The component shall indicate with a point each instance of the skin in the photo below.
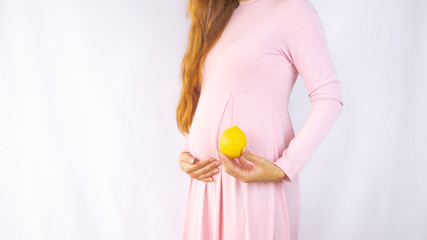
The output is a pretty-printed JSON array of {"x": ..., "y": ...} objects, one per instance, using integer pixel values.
[
  {"x": 262, "y": 171},
  {"x": 200, "y": 170}
]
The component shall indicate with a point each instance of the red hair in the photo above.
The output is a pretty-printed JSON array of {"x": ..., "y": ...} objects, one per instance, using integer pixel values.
[{"x": 208, "y": 20}]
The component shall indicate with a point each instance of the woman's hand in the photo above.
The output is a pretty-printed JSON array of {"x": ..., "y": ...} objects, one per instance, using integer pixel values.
[
  {"x": 200, "y": 170},
  {"x": 263, "y": 171}
]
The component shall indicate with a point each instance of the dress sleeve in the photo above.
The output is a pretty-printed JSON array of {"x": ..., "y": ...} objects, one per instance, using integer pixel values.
[
  {"x": 185, "y": 147},
  {"x": 308, "y": 51}
]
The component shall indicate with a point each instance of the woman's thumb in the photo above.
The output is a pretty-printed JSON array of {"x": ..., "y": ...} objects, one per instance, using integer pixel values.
[{"x": 251, "y": 157}]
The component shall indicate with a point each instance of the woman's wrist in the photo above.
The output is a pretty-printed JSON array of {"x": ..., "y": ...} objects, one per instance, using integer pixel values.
[{"x": 281, "y": 174}]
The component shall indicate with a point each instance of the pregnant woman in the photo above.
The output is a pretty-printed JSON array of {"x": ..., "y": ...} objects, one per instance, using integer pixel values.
[{"x": 242, "y": 61}]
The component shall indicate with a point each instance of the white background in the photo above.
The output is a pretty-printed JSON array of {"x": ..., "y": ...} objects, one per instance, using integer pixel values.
[{"x": 89, "y": 141}]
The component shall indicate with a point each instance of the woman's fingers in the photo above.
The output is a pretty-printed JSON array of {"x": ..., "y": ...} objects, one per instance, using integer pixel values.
[
  {"x": 243, "y": 162},
  {"x": 200, "y": 170},
  {"x": 209, "y": 176},
  {"x": 204, "y": 170},
  {"x": 208, "y": 179},
  {"x": 187, "y": 157},
  {"x": 197, "y": 165},
  {"x": 207, "y": 171}
]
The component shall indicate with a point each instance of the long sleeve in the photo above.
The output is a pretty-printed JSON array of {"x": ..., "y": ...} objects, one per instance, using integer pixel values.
[
  {"x": 308, "y": 51},
  {"x": 185, "y": 147}
]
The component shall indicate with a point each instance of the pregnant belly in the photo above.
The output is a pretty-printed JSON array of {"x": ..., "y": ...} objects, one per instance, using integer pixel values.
[
  {"x": 212, "y": 113},
  {"x": 255, "y": 114}
]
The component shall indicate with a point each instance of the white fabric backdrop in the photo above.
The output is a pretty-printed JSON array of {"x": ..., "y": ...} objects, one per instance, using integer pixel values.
[{"x": 89, "y": 142}]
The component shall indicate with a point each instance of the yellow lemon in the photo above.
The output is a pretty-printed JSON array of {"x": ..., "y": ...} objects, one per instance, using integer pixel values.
[{"x": 232, "y": 142}]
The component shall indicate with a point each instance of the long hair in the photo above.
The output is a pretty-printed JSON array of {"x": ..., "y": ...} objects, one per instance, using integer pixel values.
[{"x": 208, "y": 21}]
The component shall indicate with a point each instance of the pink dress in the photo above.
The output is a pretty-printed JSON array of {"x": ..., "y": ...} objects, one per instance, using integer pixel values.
[{"x": 246, "y": 82}]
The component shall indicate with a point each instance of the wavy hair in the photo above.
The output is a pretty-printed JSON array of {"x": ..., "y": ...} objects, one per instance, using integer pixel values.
[{"x": 208, "y": 21}]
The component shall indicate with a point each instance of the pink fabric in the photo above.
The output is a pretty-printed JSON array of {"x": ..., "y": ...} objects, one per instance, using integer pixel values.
[{"x": 246, "y": 81}]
